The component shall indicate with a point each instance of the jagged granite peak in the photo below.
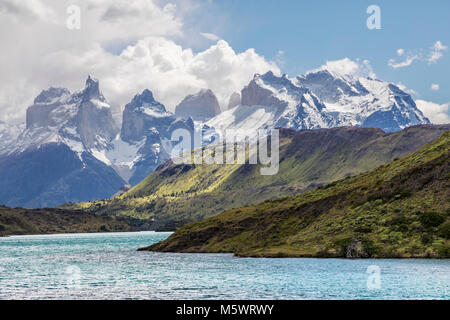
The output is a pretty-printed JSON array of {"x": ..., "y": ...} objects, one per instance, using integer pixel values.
[
  {"x": 146, "y": 100},
  {"x": 92, "y": 89},
  {"x": 95, "y": 123},
  {"x": 201, "y": 106},
  {"x": 80, "y": 120},
  {"x": 140, "y": 148},
  {"x": 142, "y": 115},
  {"x": 49, "y": 95},
  {"x": 235, "y": 100},
  {"x": 51, "y": 107},
  {"x": 56, "y": 158}
]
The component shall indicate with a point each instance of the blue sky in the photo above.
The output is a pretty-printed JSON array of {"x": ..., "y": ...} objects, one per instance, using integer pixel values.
[{"x": 312, "y": 32}]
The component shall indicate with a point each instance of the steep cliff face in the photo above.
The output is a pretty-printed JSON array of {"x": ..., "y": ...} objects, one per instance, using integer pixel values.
[
  {"x": 94, "y": 119},
  {"x": 81, "y": 120},
  {"x": 235, "y": 100},
  {"x": 141, "y": 115},
  {"x": 139, "y": 149},
  {"x": 50, "y": 108},
  {"x": 200, "y": 107}
]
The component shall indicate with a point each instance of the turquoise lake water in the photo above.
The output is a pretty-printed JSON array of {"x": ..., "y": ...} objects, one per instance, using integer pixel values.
[{"x": 107, "y": 266}]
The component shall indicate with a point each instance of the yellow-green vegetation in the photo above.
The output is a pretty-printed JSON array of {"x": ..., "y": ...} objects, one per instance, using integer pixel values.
[
  {"x": 175, "y": 195},
  {"x": 20, "y": 221},
  {"x": 397, "y": 210}
]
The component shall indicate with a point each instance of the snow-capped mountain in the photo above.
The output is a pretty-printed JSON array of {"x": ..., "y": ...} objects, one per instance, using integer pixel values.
[
  {"x": 81, "y": 120},
  {"x": 320, "y": 99},
  {"x": 201, "y": 106},
  {"x": 52, "y": 161},
  {"x": 8, "y": 134},
  {"x": 363, "y": 101},
  {"x": 138, "y": 150},
  {"x": 72, "y": 150},
  {"x": 269, "y": 101}
]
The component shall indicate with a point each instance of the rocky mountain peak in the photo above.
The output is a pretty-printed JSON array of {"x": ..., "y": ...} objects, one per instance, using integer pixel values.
[
  {"x": 272, "y": 91},
  {"x": 235, "y": 100},
  {"x": 146, "y": 100},
  {"x": 51, "y": 108},
  {"x": 49, "y": 95},
  {"x": 201, "y": 106},
  {"x": 330, "y": 86},
  {"x": 92, "y": 89},
  {"x": 94, "y": 119},
  {"x": 142, "y": 116}
]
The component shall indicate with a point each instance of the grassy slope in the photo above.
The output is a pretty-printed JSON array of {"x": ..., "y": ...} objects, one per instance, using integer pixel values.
[
  {"x": 397, "y": 210},
  {"x": 48, "y": 221},
  {"x": 176, "y": 195}
]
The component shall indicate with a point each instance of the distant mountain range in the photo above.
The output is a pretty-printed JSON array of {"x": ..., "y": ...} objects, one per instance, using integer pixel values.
[
  {"x": 397, "y": 210},
  {"x": 175, "y": 195},
  {"x": 320, "y": 99},
  {"x": 72, "y": 150}
]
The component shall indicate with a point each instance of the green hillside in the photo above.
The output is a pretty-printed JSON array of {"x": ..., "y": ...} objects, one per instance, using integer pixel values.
[
  {"x": 20, "y": 221},
  {"x": 175, "y": 195},
  {"x": 397, "y": 210}
]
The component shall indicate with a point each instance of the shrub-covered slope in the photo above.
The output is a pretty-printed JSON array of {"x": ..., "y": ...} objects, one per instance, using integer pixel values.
[
  {"x": 175, "y": 195},
  {"x": 397, "y": 210},
  {"x": 20, "y": 221}
]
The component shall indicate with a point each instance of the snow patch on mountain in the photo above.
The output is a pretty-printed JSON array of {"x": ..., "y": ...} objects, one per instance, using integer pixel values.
[
  {"x": 8, "y": 134},
  {"x": 269, "y": 102},
  {"x": 363, "y": 101}
]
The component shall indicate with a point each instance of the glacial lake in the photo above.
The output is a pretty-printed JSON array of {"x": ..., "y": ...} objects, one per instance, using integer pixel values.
[{"x": 107, "y": 266}]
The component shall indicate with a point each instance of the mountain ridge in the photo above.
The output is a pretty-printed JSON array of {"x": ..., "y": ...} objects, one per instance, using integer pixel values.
[
  {"x": 397, "y": 210},
  {"x": 83, "y": 122},
  {"x": 175, "y": 195},
  {"x": 19, "y": 221}
]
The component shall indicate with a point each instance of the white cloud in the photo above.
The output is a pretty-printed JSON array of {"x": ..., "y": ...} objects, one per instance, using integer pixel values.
[
  {"x": 27, "y": 11},
  {"x": 436, "y": 52},
  {"x": 129, "y": 46},
  {"x": 434, "y": 87},
  {"x": 347, "y": 66},
  {"x": 210, "y": 36},
  {"x": 158, "y": 64},
  {"x": 437, "y": 113},
  {"x": 405, "y": 63},
  {"x": 279, "y": 58}
]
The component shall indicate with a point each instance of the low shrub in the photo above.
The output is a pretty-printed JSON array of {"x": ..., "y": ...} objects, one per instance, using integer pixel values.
[
  {"x": 431, "y": 219},
  {"x": 444, "y": 230}
]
